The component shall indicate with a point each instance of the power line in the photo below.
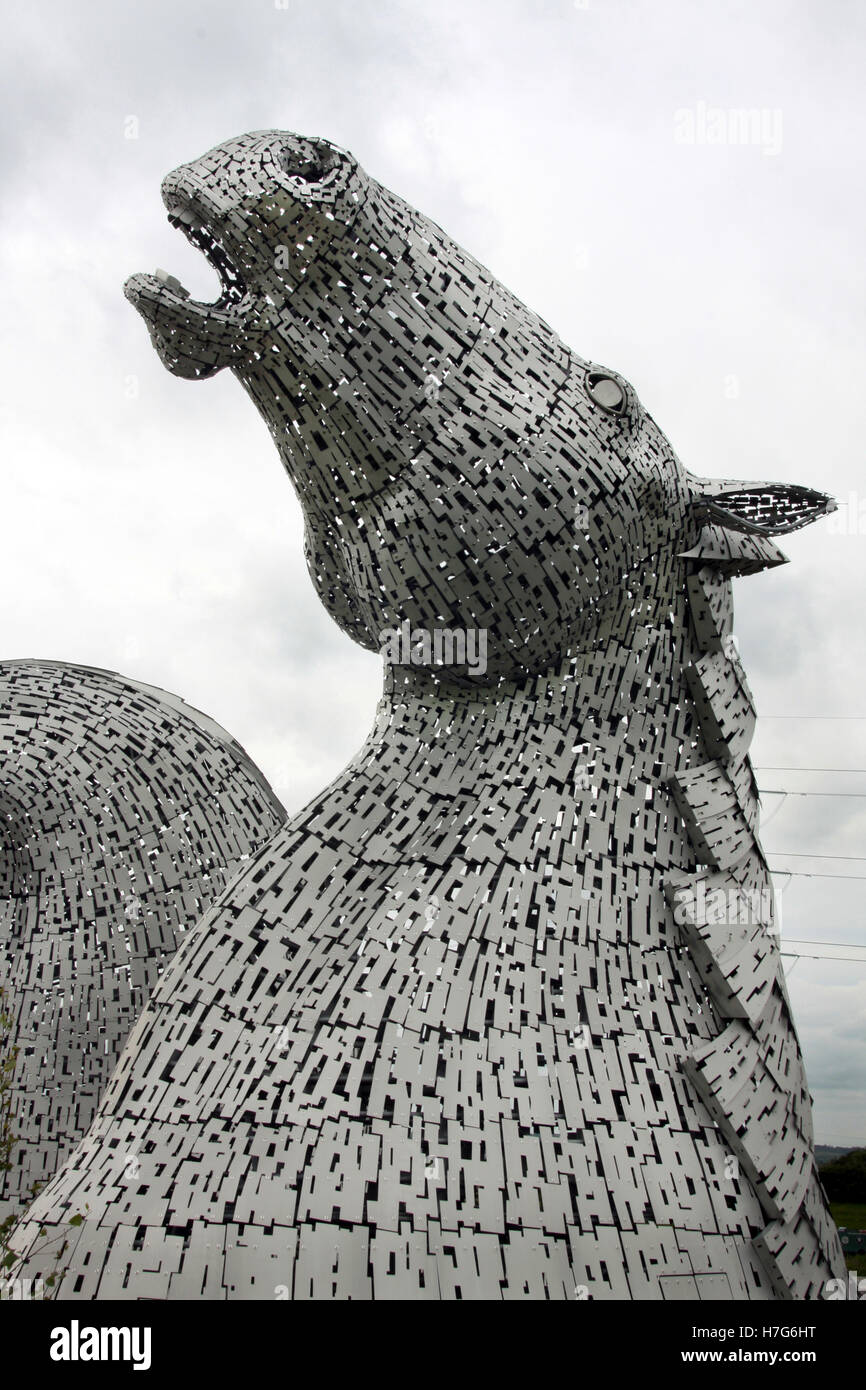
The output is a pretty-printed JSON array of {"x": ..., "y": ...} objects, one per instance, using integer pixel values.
[
  {"x": 798, "y": 955},
  {"x": 812, "y": 716},
  {"x": 821, "y": 955},
  {"x": 818, "y": 955},
  {"x": 801, "y": 873},
  {"x": 797, "y": 854},
  {"x": 766, "y": 767},
  {"x": 775, "y": 791},
  {"x": 804, "y": 941}
]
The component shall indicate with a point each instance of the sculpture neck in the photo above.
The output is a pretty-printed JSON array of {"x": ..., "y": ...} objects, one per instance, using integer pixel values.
[{"x": 624, "y": 696}]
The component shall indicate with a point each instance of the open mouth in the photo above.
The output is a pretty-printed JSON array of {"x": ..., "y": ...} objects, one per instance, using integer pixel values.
[
  {"x": 193, "y": 338},
  {"x": 182, "y": 214}
]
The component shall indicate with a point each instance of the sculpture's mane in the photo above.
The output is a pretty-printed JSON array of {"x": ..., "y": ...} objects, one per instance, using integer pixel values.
[{"x": 726, "y": 909}]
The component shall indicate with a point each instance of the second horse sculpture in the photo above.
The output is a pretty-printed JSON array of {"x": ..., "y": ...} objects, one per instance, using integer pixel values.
[{"x": 501, "y": 1013}]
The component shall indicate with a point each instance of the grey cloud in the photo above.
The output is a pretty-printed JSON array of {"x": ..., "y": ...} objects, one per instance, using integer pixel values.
[{"x": 155, "y": 533}]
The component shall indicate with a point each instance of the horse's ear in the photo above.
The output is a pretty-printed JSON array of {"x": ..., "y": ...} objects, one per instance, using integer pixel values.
[{"x": 764, "y": 509}]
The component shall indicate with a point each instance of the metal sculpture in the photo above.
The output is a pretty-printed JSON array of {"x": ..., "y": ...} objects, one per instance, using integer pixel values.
[
  {"x": 500, "y": 1014},
  {"x": 124, "y": 813}
]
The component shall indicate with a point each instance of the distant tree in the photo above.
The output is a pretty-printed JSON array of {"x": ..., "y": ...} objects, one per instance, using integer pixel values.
[{"x": 844, "y": 1178}]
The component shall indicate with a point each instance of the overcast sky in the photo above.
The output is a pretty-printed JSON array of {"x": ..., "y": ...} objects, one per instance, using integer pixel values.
[{"x": 149, "y": 526}]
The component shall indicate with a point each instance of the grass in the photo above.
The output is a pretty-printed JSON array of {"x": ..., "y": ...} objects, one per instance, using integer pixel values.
[{"x": 852, "y": 1215}]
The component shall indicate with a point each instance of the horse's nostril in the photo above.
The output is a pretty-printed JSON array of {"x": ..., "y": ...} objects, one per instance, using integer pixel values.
[{"x": 606, "y": 392}]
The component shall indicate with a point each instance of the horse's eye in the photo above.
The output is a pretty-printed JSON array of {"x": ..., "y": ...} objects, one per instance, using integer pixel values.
[
  {"x": 606, "y": 392},
  {"x": 302, "y": 167}
]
